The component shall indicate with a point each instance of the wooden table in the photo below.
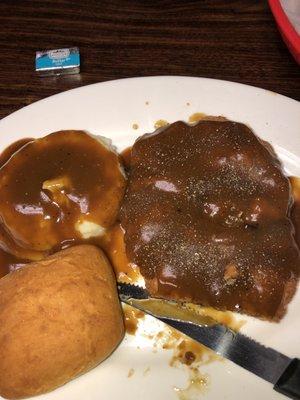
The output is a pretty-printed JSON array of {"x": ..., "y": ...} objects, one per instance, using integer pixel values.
[{"x": 233, "y": 40}]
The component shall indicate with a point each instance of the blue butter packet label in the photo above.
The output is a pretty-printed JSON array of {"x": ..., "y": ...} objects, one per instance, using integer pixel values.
[{"x": 56, "y": 59}]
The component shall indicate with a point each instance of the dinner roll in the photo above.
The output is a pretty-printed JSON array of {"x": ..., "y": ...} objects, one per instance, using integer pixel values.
[{"x": 59, "y": 318}]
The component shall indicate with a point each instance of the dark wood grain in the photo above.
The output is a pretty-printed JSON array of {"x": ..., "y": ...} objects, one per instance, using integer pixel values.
[{"x": 233, "y": 40}]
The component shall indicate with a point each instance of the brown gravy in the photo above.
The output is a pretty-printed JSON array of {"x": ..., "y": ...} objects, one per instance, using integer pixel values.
[
  {"x": 126, "y": 157},
  {"x": 131, "y": 318},
  {"x": 13, "y": 148},
  {"x": 113, "y": 241},
  {"x": 50, "y": 195},
  {"x": 9, "y": 263},
  {"x": 295, "y": 211},
  {"x": 114, "y": 246},
  {"x": 207, "y": 212}
]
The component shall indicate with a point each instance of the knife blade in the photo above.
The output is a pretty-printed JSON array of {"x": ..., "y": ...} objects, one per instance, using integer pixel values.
[{"x": 283, "y": 372}]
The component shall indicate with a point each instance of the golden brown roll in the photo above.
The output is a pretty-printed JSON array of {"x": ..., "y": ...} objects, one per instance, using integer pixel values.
[{"x": 59, "y": 318}]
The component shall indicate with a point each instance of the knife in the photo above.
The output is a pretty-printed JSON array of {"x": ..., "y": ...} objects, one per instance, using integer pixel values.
[{"x": 281, "y": 371}]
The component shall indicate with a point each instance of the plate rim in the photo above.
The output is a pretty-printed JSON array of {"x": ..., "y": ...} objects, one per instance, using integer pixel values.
[
  {"x": 243, "y": 86},
  {"x": 264, "y": 93}
]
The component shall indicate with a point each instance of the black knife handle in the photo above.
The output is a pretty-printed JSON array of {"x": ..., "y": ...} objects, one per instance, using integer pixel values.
[{"x": 289, "y": 382}]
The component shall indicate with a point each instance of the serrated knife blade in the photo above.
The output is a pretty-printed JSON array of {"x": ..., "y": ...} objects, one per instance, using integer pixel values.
[{"x": 283, "y": 372}]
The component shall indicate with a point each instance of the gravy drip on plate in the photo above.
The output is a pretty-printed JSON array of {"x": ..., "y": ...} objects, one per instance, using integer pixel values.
[
  {"x": 295, "y": 211},
  {"x": 126, "y": 157},
  {"x": 131, "y": 318},
  {"x": 207, "y": 218},
  {"x": 114, "y": 246}
]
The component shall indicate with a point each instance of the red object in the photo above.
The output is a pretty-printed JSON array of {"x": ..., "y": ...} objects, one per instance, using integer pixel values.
[{"x": 288, "y": 32}]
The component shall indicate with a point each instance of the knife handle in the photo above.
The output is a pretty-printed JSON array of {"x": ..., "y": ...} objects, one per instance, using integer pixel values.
[{"x": 289, "y": 382}]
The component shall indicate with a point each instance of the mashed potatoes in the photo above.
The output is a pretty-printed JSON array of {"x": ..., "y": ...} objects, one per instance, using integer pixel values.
[{"x": 64, "y": 187}]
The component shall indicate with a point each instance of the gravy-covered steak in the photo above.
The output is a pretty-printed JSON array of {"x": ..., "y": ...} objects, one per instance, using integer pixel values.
[{"x": 206, "y": 216}]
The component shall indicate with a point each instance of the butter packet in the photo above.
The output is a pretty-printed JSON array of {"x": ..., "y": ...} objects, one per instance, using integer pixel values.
[{"x": 57, "y": 62}]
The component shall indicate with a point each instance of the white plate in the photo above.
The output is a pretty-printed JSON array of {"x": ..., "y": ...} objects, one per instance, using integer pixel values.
[{"x": 110, "y": 109}]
